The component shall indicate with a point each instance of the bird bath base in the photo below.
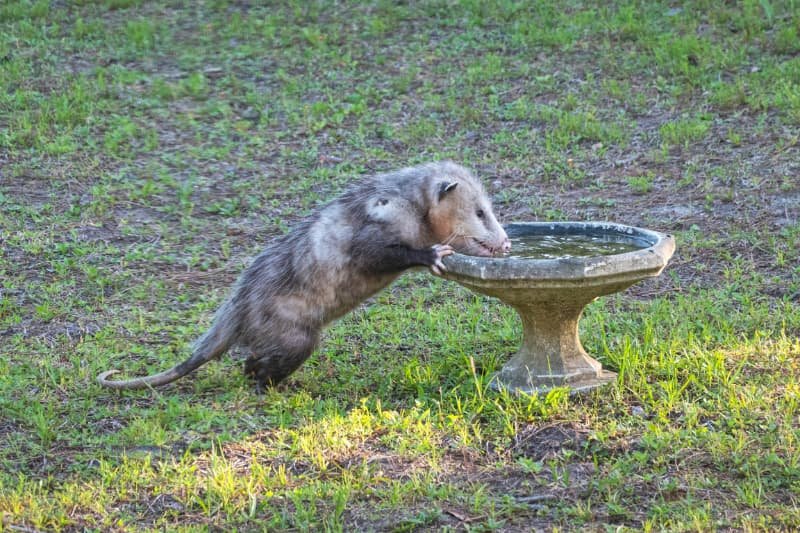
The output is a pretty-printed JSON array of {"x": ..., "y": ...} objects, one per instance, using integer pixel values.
[
  {"x": 550, "y": 294},
  {"x": 544, "y": 384},
  {"x": 551, "y": 354}
]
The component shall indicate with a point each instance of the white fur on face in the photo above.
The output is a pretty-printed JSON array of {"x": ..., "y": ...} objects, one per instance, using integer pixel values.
[{"x": 456, "y": 220}]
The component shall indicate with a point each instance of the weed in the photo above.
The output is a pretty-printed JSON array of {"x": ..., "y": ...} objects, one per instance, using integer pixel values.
[
  {"x": 682, "y": 132},
  {"x": 787, "y": 40},
  {"x": 141, "y": 34},
  {"x": 195, "y": 85},
  {"x": 641, "y": 184}
]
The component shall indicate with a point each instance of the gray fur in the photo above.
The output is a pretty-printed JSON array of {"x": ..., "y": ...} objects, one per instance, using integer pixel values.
[{"x": 334, "y": 260}]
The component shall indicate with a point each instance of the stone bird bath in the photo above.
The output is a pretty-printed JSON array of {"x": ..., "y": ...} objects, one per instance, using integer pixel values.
[{"x": 550, "y": 295}]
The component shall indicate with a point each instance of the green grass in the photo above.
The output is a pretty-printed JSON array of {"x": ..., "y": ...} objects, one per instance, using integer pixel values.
[{"x": 147, "y": 151}]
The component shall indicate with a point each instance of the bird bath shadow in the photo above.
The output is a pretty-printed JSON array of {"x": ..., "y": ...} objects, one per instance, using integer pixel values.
[{"x": 550, "y": 284}]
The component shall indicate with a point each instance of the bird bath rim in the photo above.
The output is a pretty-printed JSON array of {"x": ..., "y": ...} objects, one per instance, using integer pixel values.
[{"x": 647, "y": 261}]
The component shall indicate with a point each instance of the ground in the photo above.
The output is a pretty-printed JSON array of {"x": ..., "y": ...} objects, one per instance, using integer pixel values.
[{"x": 148, "y": 150}]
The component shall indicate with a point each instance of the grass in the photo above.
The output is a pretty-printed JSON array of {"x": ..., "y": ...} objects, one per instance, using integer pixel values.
[{"x": 148, "y": 150}]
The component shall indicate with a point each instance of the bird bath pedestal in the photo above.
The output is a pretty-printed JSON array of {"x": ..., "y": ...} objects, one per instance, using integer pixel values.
[{"x": 550, "y": 295}]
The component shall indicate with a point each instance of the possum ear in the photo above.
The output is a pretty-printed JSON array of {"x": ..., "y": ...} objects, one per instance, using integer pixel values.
[{"x": 445, "y": 188}]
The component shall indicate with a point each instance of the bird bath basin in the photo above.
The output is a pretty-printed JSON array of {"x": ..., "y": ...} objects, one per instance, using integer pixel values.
[{"x": 553, "y": 271}]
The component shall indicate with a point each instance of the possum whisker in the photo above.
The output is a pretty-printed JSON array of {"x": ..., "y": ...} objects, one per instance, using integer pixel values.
[{"x": 453, "y": 236}]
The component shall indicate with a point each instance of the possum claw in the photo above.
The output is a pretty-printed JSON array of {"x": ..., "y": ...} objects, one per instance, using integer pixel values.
[{"x": 440, "y": 252}]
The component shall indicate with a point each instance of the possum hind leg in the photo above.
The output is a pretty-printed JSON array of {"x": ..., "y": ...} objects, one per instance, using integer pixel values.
[{"x": 278, "y": 357}]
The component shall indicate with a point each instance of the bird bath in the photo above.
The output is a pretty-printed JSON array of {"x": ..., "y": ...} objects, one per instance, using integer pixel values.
[{"x": 549, "y": 288}]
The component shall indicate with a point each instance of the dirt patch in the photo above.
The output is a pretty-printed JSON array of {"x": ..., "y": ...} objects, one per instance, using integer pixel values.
[
  {"x": 546, "y": 442},
  {"x": 8, "y": 427}
]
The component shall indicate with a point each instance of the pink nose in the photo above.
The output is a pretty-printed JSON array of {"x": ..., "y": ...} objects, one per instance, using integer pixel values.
[{"x": 506, "y": 247}]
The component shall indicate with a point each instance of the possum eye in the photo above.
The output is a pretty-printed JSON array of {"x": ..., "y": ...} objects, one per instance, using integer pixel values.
[{"x": 481, "y": 214}]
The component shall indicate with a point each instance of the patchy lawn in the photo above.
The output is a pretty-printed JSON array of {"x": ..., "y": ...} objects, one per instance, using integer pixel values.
[{"x": 148, "y": 149}]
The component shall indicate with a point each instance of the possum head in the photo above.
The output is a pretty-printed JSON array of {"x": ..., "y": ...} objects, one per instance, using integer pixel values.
[{"x": 461, "y": 215}]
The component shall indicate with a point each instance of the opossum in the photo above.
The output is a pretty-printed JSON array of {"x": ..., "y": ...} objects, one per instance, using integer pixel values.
[{"x": 334, "y": 260}]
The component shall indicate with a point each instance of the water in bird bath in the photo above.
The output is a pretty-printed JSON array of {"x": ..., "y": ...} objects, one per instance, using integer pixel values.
[{"x": 567, "y": 245}]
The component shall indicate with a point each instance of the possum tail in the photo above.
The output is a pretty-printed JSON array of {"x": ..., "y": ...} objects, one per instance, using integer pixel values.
[{"x": 212, "y": 344}]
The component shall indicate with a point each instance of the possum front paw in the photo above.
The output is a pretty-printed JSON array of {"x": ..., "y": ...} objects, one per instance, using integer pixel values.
[{"x": 440, "y": 251}]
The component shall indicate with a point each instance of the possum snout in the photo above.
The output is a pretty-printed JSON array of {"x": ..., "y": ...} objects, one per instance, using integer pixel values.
[
  {"x": 495, "y": 245},
  {"x": 497, "y": 241},
  {"x": 501, "y": 245},
  {"x": 506, "y": 246}
]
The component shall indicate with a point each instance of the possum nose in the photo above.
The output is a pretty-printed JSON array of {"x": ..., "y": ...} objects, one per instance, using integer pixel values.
[{"x": 506, "y": 246}]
